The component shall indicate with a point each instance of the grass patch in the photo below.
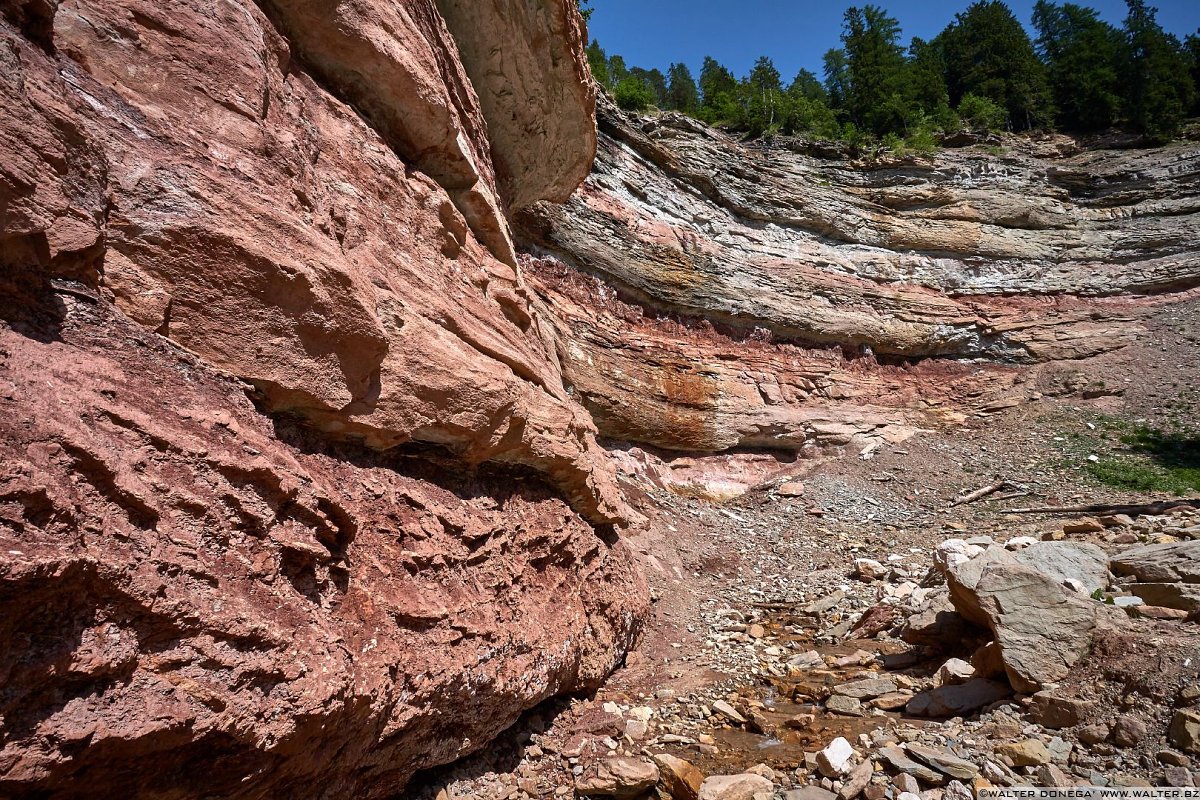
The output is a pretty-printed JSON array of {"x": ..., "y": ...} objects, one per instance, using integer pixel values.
[{"x": 1151, "y": 460}]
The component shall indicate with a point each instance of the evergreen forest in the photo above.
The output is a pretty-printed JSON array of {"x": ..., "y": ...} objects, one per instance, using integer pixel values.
[{"x": 984, "y": 72}]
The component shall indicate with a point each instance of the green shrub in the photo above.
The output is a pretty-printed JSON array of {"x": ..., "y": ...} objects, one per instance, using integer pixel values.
[
  {"x": 632, "y": 94},
  {"x": 981, "y": 114}
]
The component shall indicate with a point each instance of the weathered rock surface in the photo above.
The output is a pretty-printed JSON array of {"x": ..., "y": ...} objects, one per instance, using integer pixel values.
[
  {"x": 618, "y": 778},
  {"x": 201, "y": 600},
  {"x": 198, "y": 600},
  {"x": 535, "y": 91},
  {"x": 1060, "y": 562},
  {"x": 245, "y": 209},
  {"x": 765, "y": 294},
  {"x": 1041, "y": 626},
  {"x": 735, "y": 787},
  {"x": 963, "y": 698},
  {"x": 1178, "y": 562},
  {"x": 910, "y": 258}
]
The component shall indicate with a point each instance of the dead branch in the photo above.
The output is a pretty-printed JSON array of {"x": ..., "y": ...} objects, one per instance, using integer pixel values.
[
  {"x": 1144, "y": 509},
  {"x": 979, "y": 494}
]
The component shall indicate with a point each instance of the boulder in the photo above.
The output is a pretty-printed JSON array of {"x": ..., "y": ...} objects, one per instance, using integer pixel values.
[
  {"x": 954, "y": 671},
  {"x": 1179, "y": 596},
  {"x": 937, "y": 624},
  {"x": 1129, "y": 731},
  {"x": 1177, "y": 562},
  {"x": 834, "y": 761},
  {"x": 1026, "y": 753},
  {"x": 1085, "y": 564},
  {"x": 617, "y": 778},
  {"x": 1054, "y": 711},
  {"x": 866, "y": 689},
  {"x": 810, "y": 792},
  {"x": 988, "y": 661},
  {"x": 1041, "y": 627},
  {"x": 746, "y": 786},
  {"x": 857, "y": 780},
  {"x": 901, "y": 762},
  {"x": 869, "y": 569},
  {"x": 679, "y": 778},
  {"x": 729, "y": 712},
  {"x": 951, "y": 701},
  {"x": 944, "y": 762},
  {"x": 846, "y": 706},
  {"x": 1184, "y": 732}
]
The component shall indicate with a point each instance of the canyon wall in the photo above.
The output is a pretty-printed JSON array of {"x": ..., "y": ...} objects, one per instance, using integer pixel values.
[
  {"x": 293, "y": 499},
  {"x": 756, "y": 295}
]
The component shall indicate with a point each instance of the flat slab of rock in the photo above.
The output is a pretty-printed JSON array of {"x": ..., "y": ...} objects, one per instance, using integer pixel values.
[
  {"x": 901, "y": 762},
  {"x": 1178, "y": 562},
  {"x": 944, "y": 762},
  {"x": 857, "y": 780},
  {"x": 952, "y": 701},
  {"x": 1184, "y": 596},
  {"x": 735, "y": 787},
  {"x": 866, "y": 689},
  {"x": 617, "y": 778},
  {"x": 846, "y": 706},
  {"x": 729, "y": 712},
  {"x": 810, "y": 792}
]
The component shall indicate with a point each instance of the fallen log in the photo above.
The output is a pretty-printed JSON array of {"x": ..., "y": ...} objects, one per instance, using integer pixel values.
[
  {"x": 1146, "y": 509},
  {"x": 983, "y": 492}
]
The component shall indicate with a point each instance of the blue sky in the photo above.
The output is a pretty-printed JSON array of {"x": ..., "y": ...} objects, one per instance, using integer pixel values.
[{"x": 654, "y": 33}]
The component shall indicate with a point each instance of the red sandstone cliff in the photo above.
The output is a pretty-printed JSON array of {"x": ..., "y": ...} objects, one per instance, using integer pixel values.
[{"x": 304, "y": 204}]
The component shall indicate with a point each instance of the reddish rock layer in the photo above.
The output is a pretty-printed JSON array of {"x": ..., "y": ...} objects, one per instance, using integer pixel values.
[
  {"x": 184, "y": 158},
  {"x": 196, "y": 602}
]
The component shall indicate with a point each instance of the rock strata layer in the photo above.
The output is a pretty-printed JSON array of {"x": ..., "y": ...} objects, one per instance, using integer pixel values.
[
  {"x": 408, "y": 538},
  {"x": 748, "y": 294},
  {"x": 316, "y": 214},
  {"x": 198, "y": 601}
]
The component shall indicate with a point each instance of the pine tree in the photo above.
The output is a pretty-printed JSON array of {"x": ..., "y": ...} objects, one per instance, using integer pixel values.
[
  {"x": 988, "y": 54},
  {"x": 617, "y": 71},
  {"x": 807, "y": 108},
  {"x": 655, "y": 81},
  {"x": 925, "y": 83},
  {"x": 1083, "y": 59},
  {"x": 682, "y": 94},
  {"x": 633, "y": 94},
  {"x": 718, "y": 89},
  {"x": 837, "y": 78},
  {"x": 808, "y": 86},
  {"x": 762, "y": 98},
  {"x": 1192, "y": 45},
  {"x": 875, "y": 68},
  {"x": 598, "y": 61},
  {"x": 1158, "y": 86}
]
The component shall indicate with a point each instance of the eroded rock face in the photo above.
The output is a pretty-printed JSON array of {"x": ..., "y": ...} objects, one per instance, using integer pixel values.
[
  {"x": 199, "y": 602},
  {"x": 915, "y": 258},
  {"x": 237, "y": 206},
  {"x": 536, "y": 92},
  {"x": 721, "y": 295},
  {"x": 406, "y": 540}
]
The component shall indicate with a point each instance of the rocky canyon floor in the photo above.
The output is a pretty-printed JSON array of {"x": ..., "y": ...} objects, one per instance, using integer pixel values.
[{"x": 750, "y": 666}]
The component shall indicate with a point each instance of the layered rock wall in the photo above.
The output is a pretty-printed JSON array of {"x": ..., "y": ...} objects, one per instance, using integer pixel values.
[
  {"x": 884, "y": 289},
  {"x": 407, "y": 539}
]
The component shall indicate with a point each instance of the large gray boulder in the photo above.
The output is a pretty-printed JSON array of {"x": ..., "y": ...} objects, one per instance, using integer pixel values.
[
  {"x": 1178, "y": 562},
  {"x": 1036, "y": 603},
  {"x": 1082, "y": 566}
]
